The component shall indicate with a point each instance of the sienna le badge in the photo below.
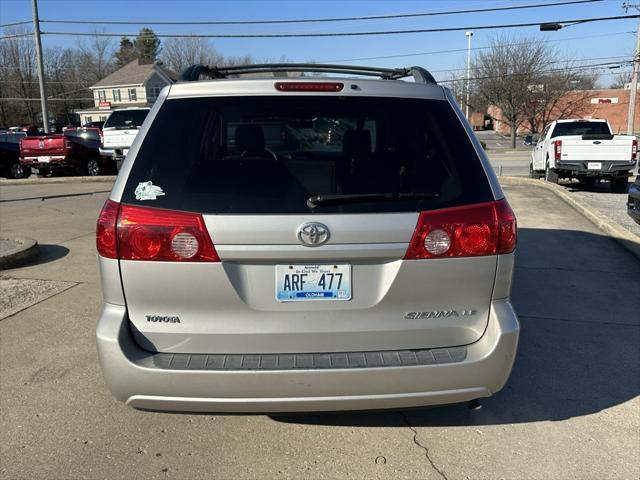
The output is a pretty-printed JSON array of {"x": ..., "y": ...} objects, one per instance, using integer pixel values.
[{"x": 148, "y": 191}]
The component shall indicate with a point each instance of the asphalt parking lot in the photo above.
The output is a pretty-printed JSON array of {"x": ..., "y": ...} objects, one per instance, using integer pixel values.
[{"x": 570, "y": 410}]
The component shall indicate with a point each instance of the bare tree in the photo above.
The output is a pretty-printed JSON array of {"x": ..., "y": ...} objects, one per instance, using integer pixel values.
[
  {"x": 17, "y": 57},
  {"x": 95, "y": 57},
  {"x": 508, "y": 75},
  {"x": 560, "y": 94},
  {"x": 622, "y": 79},
  {"x": 179, "y": 53}
]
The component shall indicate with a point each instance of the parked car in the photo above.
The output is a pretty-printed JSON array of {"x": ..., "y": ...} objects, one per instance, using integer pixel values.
[
  {"x": 633, "y": 203},
  {"x": 10, "y": 166},
  {"x": 361, "y": 267},
  {"x": 587, "y": 150},
  {"x": 75, "y": 151},
  {"x": 119, "y": 132},
  {"x": 528, "y": 140},
  {"x": 99, "y": 125}
]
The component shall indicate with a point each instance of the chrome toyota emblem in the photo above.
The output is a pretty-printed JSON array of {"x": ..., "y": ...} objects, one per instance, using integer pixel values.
[
  {"x": 313, "y": 234},
  {"x": 41, "y": 144}
]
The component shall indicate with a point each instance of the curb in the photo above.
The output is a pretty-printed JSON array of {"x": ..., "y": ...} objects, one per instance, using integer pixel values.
[
  {"x": 624, "y": 237},
  {"x": 20, "y": 254},
  {"x": 41, "y": 181}
]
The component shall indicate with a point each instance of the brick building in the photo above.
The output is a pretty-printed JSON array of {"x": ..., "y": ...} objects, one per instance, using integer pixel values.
[{"x": 609, "y": 104}]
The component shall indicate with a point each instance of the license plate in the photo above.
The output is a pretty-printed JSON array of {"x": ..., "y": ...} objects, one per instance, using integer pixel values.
[
  {"x": 44, "y": 159},
  {"x": 594, "y": 165},
  {"x": 300, "y": 283},
  {"x": 125, "y": 151}
]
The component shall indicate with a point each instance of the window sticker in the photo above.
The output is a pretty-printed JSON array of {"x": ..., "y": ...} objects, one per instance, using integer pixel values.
[{"x": 148, "y": 191}]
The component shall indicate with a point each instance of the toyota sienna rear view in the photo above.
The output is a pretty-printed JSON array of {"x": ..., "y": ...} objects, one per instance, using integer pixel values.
[{"x": 284, "y": 244}]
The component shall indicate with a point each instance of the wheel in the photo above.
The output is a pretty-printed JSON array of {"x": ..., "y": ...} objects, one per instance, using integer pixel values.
[
  {"x": 16, "y": 170},
  {"x": 551, "y": 175},
  {"x": 534, "y": 173},
  {"x": 93, "y": 167},
  {"x": 619, "y": 185}
]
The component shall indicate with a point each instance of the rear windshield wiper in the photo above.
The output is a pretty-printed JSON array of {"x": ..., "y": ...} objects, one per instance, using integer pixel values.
[{"x": 317, "y": 201}]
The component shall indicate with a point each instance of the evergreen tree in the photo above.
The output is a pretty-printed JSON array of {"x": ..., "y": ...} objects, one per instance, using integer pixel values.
[
  {"x": 126, "y": 53},
  {"x": 147, "y": 46}
]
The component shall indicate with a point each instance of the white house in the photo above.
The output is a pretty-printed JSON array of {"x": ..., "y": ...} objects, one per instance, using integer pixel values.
[{"x": 134, "y": 85}]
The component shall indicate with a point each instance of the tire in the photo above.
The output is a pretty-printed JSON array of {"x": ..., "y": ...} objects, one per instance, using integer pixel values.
[
  {"x": 532, "y": 174},
  {"x": 93, "y": 167},
  {"x": 16, "y": 170},
  {"x": 619, "y": 185},
  {"x": 551, "y": 175}
]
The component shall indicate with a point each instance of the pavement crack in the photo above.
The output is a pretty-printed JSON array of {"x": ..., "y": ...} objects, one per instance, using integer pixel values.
[{"x": 420, "y": 445}]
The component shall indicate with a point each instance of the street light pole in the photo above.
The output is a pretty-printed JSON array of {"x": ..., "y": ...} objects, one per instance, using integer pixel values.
[
  {"x": 468, "y": 35},
  {"x": 43, "y": 93}
]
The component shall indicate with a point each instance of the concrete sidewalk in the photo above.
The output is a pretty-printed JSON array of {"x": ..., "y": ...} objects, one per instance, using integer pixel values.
[{"x": 570, "y": 409}]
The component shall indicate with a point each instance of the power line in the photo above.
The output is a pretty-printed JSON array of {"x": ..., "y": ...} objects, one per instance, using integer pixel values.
[
  {"x": 16, "y": 35},
  {"x": 337, "y": 34},
  {"x": 27, "y": 22},
  {"x": 36, "y": 81},
  {"x": 487, "y": 47},
  {"x": 37, "y": 99},
  {"x": 607, "y": 65},
  {"x": 568, "y": 60},
  {"x": 321, "y": 20}
]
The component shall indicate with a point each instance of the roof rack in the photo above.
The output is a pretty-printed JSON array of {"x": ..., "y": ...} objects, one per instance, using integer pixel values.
[{"x": 195, "y": 72}]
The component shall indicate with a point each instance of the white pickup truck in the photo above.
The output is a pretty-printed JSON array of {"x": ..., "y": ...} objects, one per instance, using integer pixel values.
[
  {"x": 119, "y": 131},
  {"x": 587, "y": 150}
]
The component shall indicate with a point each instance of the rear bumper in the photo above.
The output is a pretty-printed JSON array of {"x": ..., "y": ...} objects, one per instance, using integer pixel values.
[
  {"x": 54, "y": 162},
  {"x": 134, "y": 379},
  {"x": 609, "y": 168},
  {"x": 114, "y": 154}
]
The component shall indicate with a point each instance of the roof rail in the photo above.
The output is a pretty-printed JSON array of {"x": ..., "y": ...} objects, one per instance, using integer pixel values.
[{"x": 195, "y": 72}]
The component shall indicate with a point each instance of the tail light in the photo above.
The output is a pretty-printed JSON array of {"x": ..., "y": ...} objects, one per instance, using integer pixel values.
[
  {"x": 106, "y": 241},
  {"x": 139, "y": 233},
  {"x": 557, "y": 149},
  {"x": 101, "y": 139},
  {"x": 634, "y": 149},
  {"x": 469, "y": 231}
]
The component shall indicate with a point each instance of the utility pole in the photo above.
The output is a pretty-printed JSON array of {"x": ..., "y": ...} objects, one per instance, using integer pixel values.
[
  {"x": 43, "y": 92},
  {"x": 468, "y": 35},
  {"x": 633, "y": 91}
]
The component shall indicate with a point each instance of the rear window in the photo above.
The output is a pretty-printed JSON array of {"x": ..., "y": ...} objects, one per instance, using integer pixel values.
[
  {"x": 580, "y": 128},
  {"x": 269, "y": 155},
  {"x": 83, "y": 134},
  {"x": 126, "y": 119}
]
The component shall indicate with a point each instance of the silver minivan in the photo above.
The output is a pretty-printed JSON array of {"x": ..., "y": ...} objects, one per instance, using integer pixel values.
[{"x": 284, "y": 244}]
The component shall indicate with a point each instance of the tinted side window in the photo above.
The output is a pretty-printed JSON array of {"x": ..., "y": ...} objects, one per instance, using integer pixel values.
[{"x": 251, "y": 155}]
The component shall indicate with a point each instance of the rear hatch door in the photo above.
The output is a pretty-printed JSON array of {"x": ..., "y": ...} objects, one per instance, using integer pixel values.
[{"x": 298, "y": 274}]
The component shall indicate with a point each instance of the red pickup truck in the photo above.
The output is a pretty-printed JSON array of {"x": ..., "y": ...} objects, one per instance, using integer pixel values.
[{"x": 76, "y": 150}]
